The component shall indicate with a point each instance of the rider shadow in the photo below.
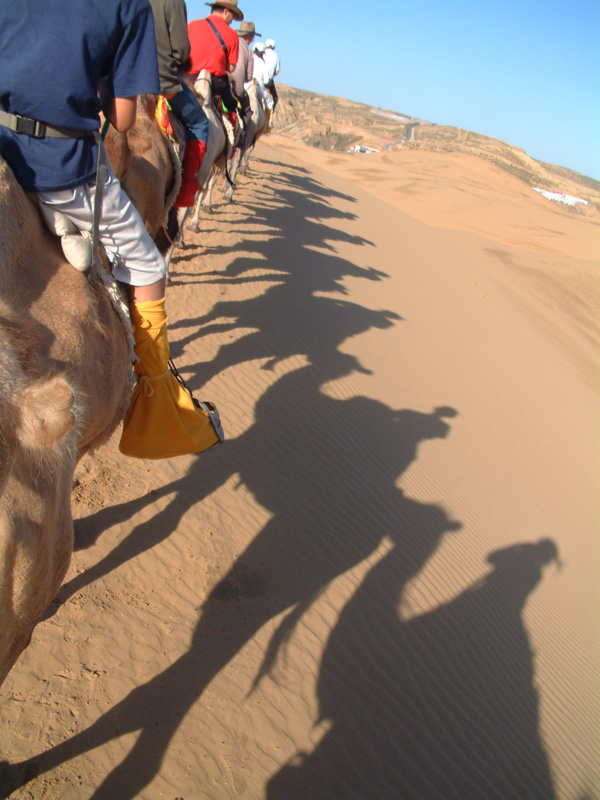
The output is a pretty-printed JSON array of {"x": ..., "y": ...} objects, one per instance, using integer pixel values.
[
  {"x": 296, "y": 206},
  {"x": 304, "y": 224},
  {"x": 330, "y": 488},
  {"x": 294, "y": 203},
  {"x": 282, "y": 324},
  {"x": 308, "y": 185},
  {"x": 291, "y": 317},
  {"x": 442, "y": 706},
  {"x": 301, "y": 177},
  {"x": 280, "y": 164}
]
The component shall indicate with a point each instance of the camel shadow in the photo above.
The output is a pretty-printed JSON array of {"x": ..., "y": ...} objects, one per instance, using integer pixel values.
[
  {"x": 282, "y": 328},
  {"x": 441, "y": 706},
  {"x": 289, "y": 319},
  {"x": 330, "y": 488},
  {"x": 281, "y": 164},
  {"x": 296, "y": 209}
]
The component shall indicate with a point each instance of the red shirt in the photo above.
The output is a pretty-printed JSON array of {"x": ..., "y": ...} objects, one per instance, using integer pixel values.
[{"x": 207, "y": 52}]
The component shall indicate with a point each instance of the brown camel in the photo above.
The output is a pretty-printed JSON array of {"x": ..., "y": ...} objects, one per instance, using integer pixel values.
[
  {"x": 65, "y": 379},
  {"x": 148, "y": 165}
]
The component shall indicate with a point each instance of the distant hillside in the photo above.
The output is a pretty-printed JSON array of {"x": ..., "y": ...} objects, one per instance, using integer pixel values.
[{"x": 337, "y": 124}]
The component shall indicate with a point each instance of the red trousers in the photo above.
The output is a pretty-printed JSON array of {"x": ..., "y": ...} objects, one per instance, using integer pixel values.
[{"x": 192, "y": 161}]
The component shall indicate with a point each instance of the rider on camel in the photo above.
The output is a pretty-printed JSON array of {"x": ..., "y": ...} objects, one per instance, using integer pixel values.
[
  {"x": 261, "y": 76},
  {"x": 49, "y": 122},
  {"x": 244, "y": 68},
  {"x": 215, "y": 47},
  {"x": 273, "y": 67},
  {"x": 173, "y": 47}
]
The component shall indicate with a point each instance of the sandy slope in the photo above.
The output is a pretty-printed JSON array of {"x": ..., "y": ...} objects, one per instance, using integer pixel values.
[{"x": 385, "y": 584}]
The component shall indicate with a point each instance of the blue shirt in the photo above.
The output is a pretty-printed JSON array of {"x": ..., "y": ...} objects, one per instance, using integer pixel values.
[{"x": 53, "y": 55}]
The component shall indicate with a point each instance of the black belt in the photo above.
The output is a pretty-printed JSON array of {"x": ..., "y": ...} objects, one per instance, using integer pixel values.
[{"x": 39, "y": 130}]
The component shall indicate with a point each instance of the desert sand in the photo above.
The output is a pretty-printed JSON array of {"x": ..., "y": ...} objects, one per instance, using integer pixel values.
[{"x": 385, "y": 583}]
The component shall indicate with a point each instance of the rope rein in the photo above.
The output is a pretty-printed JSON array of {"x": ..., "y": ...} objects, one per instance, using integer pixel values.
[{"x": 97, "y": 269}]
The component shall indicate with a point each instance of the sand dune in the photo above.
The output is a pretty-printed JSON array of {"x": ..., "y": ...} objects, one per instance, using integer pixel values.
[{"x": 384, "y": 585}]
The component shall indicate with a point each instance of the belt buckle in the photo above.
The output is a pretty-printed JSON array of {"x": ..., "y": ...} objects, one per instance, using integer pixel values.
[{"x": 30, "y": 127}]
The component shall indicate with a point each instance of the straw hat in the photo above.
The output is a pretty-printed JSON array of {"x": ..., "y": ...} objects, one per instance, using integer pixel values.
[
  {"x": 247, "y": 29},
  {"x": 230, "y": 5}
]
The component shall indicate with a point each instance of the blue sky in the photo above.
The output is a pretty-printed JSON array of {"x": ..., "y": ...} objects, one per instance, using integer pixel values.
[{"x": 525, "y": 72}]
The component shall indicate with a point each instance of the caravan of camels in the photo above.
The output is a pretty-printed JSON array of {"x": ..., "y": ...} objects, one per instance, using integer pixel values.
[
  {"x": 66, "y": 373},
  {"x": 384, "y": 585}
]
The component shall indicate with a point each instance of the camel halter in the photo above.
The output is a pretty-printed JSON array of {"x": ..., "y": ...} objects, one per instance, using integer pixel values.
[{"x": 106, "y": 277}]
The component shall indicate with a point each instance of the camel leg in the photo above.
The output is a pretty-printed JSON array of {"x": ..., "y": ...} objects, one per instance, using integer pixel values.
[
  {"x": 243, "y": 170},
  {"x": 182, "y": 215},
  {"x": 235, "y": 165},
  {"x": 195, "y": 221},
  {"x": 209, "y": 188}
]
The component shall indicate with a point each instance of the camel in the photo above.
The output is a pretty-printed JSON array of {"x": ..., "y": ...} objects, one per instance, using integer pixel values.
[
  {"x": 254, "y": 131},
  {"x": 215, "y": 149},
  {"x": 216, "y": 156},
  {"x": 215, "y": 146},
  {"x": 65, "y": 379}
]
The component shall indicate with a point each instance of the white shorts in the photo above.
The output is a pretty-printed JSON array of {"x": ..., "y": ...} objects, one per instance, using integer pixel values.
[{"x": 133, "y": 254}]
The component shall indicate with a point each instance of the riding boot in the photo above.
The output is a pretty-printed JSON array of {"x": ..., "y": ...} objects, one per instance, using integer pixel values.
[
  {"x": 163, "y": 419},
  {"x": 195, "y": 150}
]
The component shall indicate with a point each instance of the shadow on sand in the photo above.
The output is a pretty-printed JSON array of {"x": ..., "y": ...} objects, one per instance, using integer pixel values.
[
  {"x": 326, "y": 470},
  {"x": 441, "y": 706}
]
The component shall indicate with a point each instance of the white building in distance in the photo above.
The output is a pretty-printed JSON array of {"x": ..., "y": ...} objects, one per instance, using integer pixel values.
[
  {"x": 566, "y": 199},
  {"x": 361, "y": 148}
]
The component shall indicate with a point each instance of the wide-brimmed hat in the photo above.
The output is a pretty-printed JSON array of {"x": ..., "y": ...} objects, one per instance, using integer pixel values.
[
  {"x": 247, "y": 29},
  {"x": 230, "y": 5}
]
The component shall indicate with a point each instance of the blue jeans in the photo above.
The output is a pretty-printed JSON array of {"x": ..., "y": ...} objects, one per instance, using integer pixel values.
[{"x": 185, "y": 105}]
